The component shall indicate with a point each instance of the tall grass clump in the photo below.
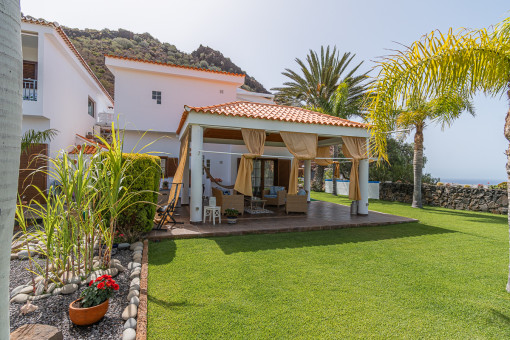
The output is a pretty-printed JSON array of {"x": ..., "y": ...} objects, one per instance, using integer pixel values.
[{"x": 79, "y": 213}]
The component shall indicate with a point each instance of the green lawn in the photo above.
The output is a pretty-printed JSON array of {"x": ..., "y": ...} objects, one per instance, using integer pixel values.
[{"x": 441, "y": 278}]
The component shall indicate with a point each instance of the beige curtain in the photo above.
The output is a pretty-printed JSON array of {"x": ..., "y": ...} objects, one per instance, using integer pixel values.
[
  {"x": 302, "y": 146},
  {"x": 179, "y": 173},
  {"x": 254, "y": 141},
  {"x": 322, "y": 152},
  {"x": 355, "y": 148},
  {"x": 336, "y": 169}
]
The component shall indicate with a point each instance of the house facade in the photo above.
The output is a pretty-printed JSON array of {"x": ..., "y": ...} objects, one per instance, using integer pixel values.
[
  {"x": 174, "y": 108},
  {"x": 60, "y": 92},
  {"x": 149, "y": 101}
]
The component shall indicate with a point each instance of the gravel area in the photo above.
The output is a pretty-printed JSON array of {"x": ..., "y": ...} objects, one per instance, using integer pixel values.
[{"x": 54, "y": 309}]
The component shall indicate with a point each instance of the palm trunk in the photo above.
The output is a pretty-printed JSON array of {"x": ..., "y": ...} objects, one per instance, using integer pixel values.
[
  {"x": 11, "y": 75},
  {"x": 318, "y": 178},
  {"x": 418, "y": 166},
  {"x": 507, "y": 136}
]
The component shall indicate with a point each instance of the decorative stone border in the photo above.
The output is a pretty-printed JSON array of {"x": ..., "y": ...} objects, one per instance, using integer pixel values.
[
  {"x": 130, "y": 313},
  {"x": 141, "y": 327}
]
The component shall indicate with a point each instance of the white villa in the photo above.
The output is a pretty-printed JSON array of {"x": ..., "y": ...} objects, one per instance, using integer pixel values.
[
  {"x": 60, "y": 91},
  {"x": 203, "y": 112}
]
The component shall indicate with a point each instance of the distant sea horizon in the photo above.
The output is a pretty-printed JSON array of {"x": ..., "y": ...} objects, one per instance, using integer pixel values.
[{"x": 472, "y": 180}]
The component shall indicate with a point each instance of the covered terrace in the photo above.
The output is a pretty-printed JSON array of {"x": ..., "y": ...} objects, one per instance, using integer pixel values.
[{"x": 305, "y": 134}]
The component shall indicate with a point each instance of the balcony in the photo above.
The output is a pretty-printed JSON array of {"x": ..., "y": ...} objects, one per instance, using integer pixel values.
[{"x": 30, "y": 89}]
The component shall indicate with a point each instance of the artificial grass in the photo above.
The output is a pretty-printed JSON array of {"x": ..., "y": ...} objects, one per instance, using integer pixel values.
[{"x": 441, "y": 278}]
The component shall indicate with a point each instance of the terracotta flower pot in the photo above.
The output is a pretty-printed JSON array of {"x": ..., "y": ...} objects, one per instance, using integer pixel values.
[{"x": 87, "y": 316}]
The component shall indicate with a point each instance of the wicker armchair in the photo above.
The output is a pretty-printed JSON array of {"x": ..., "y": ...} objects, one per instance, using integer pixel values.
[
  {"x": 278, "y": 200},
  {"x": 228, "y": 201},
  {"x": 296, "y": 203}
]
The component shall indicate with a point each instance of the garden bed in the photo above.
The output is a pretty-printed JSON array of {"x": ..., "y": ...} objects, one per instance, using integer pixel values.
[{"x": 53, "y": 310}]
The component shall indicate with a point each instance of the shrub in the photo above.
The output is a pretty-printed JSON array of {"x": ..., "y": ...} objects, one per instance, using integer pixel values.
[
  {"x": 503, "y": 185},
  {"x": 142, "y": 177}
]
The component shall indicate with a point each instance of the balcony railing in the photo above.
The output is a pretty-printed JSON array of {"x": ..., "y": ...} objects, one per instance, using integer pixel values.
[{"x": 30, "y": 89}]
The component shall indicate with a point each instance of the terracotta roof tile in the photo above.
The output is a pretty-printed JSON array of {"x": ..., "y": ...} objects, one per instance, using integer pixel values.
[
  {"x": 60, "y": 31},
  {"x": 270, "y": 112},
  {"x": 87, "y": 149},
  {"x": 174, "y": 65}
]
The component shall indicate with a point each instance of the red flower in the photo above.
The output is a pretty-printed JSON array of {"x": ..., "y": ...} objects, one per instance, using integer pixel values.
[
  {"x": 91, "y": 282},
  {"x": 115, "y": 286},
  {"x": 100, "y": 285}
]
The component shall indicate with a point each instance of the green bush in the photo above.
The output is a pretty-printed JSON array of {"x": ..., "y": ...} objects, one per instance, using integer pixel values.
[{"x": 142, "y": 176}]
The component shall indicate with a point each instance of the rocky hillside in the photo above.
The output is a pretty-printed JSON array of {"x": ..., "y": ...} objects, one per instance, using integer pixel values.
[{"x": 94, "y": 44}]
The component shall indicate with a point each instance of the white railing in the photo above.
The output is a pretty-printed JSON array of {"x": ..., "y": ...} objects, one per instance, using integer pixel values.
[
  {"x": 30, "y": 89},
  {"x": 105, "y": 118}
]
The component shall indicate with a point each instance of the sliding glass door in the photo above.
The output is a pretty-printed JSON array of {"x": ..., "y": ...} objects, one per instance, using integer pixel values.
[{"x": 263, "y": 175}]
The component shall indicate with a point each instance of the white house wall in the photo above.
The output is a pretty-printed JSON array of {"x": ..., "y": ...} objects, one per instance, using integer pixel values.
[
  {"x": 34, "y": 123},
  {"x": 66, "y": 93},
  {"x": 64, "y": 86},
  {"x": 138, "y": 111}
]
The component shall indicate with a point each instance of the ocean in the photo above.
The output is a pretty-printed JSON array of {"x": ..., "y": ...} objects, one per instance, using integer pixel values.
[{"x": 472, "y": 181}]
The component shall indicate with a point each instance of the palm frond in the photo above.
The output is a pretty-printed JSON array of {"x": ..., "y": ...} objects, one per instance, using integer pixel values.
[
  {"x": 36, "y": 137},
  {"x": 464, "y": 62}
]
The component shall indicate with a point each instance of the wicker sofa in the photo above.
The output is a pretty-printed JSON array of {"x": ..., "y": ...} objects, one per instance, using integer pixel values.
[
  {"x": 296, "y": 203},
  {"x": 228, "y": 201},
  {"x": 277, "y": 198}
]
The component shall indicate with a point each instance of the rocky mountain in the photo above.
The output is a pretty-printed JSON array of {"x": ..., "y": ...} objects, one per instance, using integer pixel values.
[{"x": 94, "y": 44}]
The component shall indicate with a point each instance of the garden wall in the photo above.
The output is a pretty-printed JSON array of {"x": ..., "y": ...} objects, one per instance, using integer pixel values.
[{"x": 460, "y": 198}]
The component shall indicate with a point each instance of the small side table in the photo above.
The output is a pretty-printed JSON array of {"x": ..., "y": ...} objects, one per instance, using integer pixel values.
[{"x": 212, "y": 213}]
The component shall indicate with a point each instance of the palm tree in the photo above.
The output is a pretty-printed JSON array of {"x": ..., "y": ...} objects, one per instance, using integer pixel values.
[
  {"x": 320, "y": 78},
  {"x": 11, "y": 75},
  {"x": 463, "y": 61},
  {"x": 345, "y": 102},
  {"x": 35, "y": 137},
  {"x": 324, "y": 85},
  {"x": 443, "y": 110}
]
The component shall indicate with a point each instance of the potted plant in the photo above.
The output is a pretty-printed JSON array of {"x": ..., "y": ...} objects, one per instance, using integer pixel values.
[
  {"x": 231, "y": 215},
  {"x": 165, "y": 184},
  {"x": 93, "y": 302}
]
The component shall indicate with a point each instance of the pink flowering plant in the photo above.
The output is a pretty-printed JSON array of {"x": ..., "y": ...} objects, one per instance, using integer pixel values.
[{"x": 98, "y": 291}]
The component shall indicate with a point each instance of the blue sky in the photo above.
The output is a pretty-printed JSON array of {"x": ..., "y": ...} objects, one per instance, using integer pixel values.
[{"x": 264, "y": 37}]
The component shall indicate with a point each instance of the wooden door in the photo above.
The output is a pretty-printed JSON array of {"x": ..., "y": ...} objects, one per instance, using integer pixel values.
[
  {"x": 29, "y": 178},
  {"x": 283, "y": 173}
]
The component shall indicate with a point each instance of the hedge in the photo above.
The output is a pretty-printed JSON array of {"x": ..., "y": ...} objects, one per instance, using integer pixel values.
[{"x": 142, "y": 176}]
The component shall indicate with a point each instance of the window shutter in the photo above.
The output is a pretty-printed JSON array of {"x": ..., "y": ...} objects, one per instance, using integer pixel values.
[{"x": 171, "y": 166}]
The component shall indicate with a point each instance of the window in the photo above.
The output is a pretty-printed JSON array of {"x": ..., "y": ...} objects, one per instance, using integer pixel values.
[
  {"x": 92, "y": 108},
  {"x": 157, "y": 96}
]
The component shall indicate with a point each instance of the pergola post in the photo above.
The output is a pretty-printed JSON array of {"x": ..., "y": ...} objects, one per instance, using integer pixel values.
[
  {"x": 308, "y": 175},
  {"x": 197, "y": 138},
  {"x": 363, "y": 185},
  {"x": 185, "y": 183}
]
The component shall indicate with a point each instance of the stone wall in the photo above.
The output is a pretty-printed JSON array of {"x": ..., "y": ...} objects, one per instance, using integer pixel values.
[{"x": 460, "y": 198}]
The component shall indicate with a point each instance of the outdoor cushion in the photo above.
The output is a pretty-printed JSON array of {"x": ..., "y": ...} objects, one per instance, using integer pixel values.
[
  {"x": 271, "y": 196},
  {"x": 301, "y": 192},
  {"x": 279, "y": 189},
  {"x": 226, "y": 192},
  {"x": 272, "y": 190}
]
